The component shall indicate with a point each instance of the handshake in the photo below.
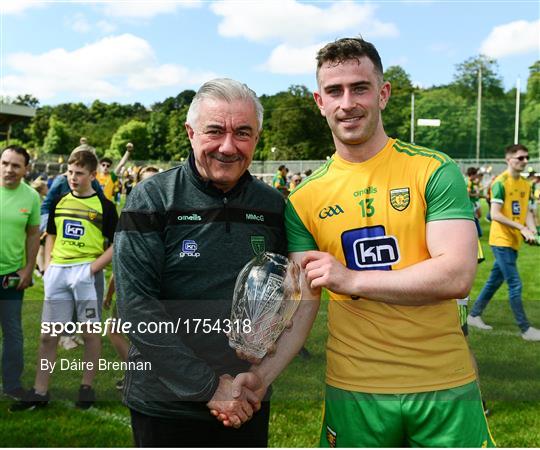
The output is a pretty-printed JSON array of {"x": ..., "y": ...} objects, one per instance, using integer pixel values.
[{"x": 237, "y": 399}]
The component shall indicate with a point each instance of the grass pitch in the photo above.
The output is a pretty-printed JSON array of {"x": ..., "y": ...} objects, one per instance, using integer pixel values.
[{"x": 509, "y": 371}]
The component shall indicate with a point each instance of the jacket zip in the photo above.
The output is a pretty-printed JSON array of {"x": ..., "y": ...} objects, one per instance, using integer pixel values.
[{"x": 227, "y": 221}]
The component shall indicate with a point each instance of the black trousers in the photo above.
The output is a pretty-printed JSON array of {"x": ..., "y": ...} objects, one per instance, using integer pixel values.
[{"x": 151, "y": 431}]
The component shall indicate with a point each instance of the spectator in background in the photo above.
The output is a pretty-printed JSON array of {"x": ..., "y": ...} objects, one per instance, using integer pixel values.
[
  {"x": 474, "y": 189},
  {"x": 107, "y": 178},
  {"x": 511, "y": 222},
  {"x": 296, "y": 179},
  {"x": 19, "y": 238},
  {"x": 280, "y": 180}
]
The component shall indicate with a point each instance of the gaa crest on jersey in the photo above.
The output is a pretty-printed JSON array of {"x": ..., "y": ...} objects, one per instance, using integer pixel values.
[
  {"x": 400, "y": 198},
  {"x": 92, "y": 215},
  {"x": 258, "y": 245}
]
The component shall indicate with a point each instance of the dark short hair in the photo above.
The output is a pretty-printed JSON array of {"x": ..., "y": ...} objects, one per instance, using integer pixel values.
[
  {"x": 511, "y": 149},
  {"x": 472, "y": 171},
  {"x": 106, "y": 159},
  {"x": 346, "y": 49},
  {"x": 19, "y": 150},
  {"x": 84, "y": 158},
  {"x": 281, "y": 167}
]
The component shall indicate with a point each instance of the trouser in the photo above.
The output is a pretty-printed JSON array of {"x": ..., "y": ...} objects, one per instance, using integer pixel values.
[
  {"x": 12, "y": 338},
  {"x": 504, "y": 269},
  {"x": 151, "y": 431}
]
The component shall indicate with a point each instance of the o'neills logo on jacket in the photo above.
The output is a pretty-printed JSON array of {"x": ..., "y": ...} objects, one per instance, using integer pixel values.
[{"x": 191, "y": 218}]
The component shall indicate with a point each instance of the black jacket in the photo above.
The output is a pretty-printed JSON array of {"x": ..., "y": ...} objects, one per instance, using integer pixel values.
[{"x": 179, "y": 247}]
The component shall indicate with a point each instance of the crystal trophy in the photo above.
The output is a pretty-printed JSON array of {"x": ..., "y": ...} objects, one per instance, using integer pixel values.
[{"x": 266, "y": 295}]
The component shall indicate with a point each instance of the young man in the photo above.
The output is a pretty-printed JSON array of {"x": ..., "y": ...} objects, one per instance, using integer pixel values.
[
  {"x": 108, "y": 178},
  {"x": 387, "y": 228},
  {"x": 81, "y": 225},
  {"x": 280, "y": 180},
  {"x": 511, "y": 221},
  {"x": 19, "y": 244}
]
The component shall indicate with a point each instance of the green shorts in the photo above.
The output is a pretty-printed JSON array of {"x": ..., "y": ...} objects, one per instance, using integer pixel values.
[{"x": 448, "y": 418}]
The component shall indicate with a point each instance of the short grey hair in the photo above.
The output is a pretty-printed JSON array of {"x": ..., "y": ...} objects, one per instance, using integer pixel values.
[{"x": 224, "y": 89}]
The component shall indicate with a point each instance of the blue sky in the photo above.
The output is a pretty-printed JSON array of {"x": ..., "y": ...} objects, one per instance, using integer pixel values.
[{"x": 143, "y": 51}]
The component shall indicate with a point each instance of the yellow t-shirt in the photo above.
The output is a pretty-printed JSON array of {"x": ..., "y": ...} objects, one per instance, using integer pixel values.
[
  {"x": 372, "y": 216},
  {"x": 109, "y": 184},
  {"x": 514, "y": 195}
]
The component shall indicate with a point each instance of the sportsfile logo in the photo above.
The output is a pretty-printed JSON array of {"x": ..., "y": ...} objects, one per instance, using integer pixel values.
[
  {"x": 330, "y": 211},
  {"x": 370, "y": 248},
  {"x": 73, "y": 229},
  {"x": 189, "y": 249}
]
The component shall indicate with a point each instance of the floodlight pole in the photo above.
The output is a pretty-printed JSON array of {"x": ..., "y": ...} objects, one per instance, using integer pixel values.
[
  {"x": 412, "y": 118},
  {"x": 518, "y": 98},
  {"x": 479, "y": 114}
]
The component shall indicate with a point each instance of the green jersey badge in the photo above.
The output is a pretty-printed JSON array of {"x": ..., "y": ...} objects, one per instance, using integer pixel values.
[
  {"x": 400, "y": 198},
  {"x": 258, "y": 245}
]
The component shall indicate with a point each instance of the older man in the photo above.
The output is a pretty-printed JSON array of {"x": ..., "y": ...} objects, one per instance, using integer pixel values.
[
  {"x": 19, "y": 235},
  {"x": 183, "y": 237}
]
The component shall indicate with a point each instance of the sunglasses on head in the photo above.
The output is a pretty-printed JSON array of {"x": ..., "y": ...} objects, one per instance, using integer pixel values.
[{"x": 521, "y": 158}]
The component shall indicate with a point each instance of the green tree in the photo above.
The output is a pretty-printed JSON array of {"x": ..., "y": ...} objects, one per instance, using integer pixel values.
[
  {"x": 466, "y": 77},
  {"x": 58, "y": 139},
  {"x": 397, "y": 115},
  {"x": 530, "y": 116},
  {"x": 295, "y": 128},
  {"x": 134, "y": 131},
  {"x": 455, "y": 136},
  {"x": 178, "y": 145}
]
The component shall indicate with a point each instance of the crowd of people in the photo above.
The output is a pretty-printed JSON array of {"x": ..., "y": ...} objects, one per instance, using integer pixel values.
[{"x": 385, "y": 226}]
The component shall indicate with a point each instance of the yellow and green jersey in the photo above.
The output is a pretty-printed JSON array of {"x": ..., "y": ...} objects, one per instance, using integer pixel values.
[
  {"x": 83, "y": 227},
  {"x": 109, "y": 183},
  {"x": 514, "y": 195},
  {"x": 372, "y": 216}
]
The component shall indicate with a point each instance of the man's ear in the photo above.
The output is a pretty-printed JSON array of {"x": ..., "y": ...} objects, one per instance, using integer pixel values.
[
  {"x": 190, "y": 131},
  {"x": 318, "y": 99},
  {"x": 384, "y": 95}
]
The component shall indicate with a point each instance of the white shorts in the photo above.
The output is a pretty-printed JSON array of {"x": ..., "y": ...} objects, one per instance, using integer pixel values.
[{"x": 70, "y": 289}]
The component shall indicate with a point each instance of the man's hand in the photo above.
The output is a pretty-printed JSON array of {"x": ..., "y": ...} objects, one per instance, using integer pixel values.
[
  {"x": 323, "y": 270},
  {"x": 232, "y": 410},
  {"x": 25, "y": 278},
  {"x": 246, "y": 386}
]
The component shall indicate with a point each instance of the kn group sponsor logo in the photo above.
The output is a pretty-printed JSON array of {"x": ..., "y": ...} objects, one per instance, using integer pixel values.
[
  {"x": 516, "y": 208},
  {"x": 370, "y": 248},
  {"x": 73, "y": 229},
  {"x": 400, "y": 198},
  {"x": 330, "y": 211},
  {"x": 189, "y": 249}
]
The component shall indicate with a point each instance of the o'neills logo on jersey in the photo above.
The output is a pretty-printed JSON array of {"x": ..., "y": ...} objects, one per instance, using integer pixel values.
[
  {"x": 191, "y": 218},
  {"x": 255, "y": 217},
  {"x": 330, "y": 211},
  {"x": 400, "y": 198}
]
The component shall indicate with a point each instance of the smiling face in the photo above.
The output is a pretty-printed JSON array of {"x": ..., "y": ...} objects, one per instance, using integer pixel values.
[
  {"x": 223, "y": 140},
  {"x": 12, "y": 169},
  {"x": 351, "y": 96}
]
